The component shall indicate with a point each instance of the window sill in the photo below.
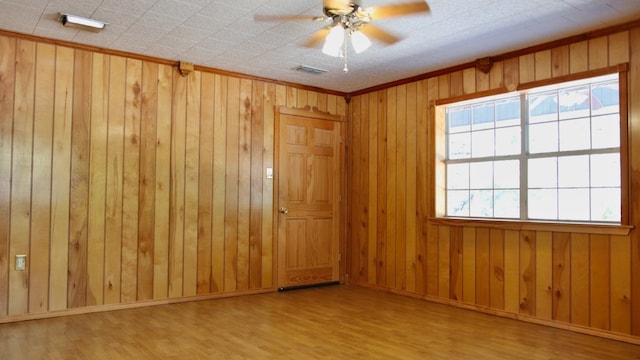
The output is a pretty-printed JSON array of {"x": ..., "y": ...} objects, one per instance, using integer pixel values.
[{"x": 603, "y": 229}]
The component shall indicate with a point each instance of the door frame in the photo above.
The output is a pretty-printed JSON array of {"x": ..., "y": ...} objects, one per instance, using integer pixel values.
[{"x": 312, "y": 114}]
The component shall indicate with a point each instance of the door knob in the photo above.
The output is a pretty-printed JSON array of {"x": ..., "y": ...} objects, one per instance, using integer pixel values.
[{"x": 284, "y": 210}]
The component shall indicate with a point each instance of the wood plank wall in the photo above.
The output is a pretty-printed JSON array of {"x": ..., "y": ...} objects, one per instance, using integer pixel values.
[
  {"x": 571, "y": 278},
  {"x": 123, "y": 181}
]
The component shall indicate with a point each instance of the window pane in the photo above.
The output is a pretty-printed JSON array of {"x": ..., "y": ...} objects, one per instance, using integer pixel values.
[
  {"x": 508, "y": 141},
  {"x": 605, "y": 98},
  {"x": 507, "y": 204},
  {"x": 543, "y": 138},
  {"x": 543, "y": 107},
  {"x": 458, "y": 203},
  {"x": 575, "y": 134},
  {"x": 459, "y": 119},
  {"x": 574, "y": 102},
  {"x": 543, "y": 204},
  {"x": 508, "y": 112},
  {"x": 459, "y": 146},
  {"x": 605, "y": 170},
  {"x": 573, "y": 171},
  {"x": 482, "y": 143},
  {"x": 481, "y": 175},
  {"x": 506, "y": 174},
  {"x": 605, "y": 204},
  {"x": 543, "y": 173},
  {"x": 481, "y": 203},
  {"x": 483, "y": 116},
  {"x": 457, "y": 176},
  {"x": 605, "y": 131},
  {"x": 573, "y": 204}
]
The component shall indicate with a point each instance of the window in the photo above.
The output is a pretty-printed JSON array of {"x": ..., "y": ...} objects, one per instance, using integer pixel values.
[{"x": 549, "y": 153}]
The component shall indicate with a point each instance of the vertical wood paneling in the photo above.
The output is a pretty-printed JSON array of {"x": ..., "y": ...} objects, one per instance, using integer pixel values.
[
  {"x": 257, "y": 150},
  {"x": 7, "y": 85},
  {"x": 267, "y": 188},
  {"x": 600, "y": 276},
  {"x": 561, "y": 277},
  {"x": 77, "y": 286},
  {"x": 177, "y": 185},
  {"x": 401, "y": 260},
  {"x": 620, "y": 285},
  {"x": 131, "y": 181},
  {"x": 372, "y": 155},
  {"x": 496, "y": 267},
  {"x": 219, "y": 183},
  {"x": 456, "y": 264},
  {"x": 528, "y": 272},
  {"x": 483, "y": 272},
  {"x": 244, "y": 184},
  {"x": 114, "y": 180},
  {"x": 392, "y": 185},
  {"x": 411, "y": 181},
  {"x": 61, "y": 179},
  {"x": 355, "y": 196},
  {"x": 146, "y": 206},
  {"x": 41, "y": 203},
  {"x": 580, "y": 290},
  {"x": 543, "y": 68},
  {"x": 544, "y": 274},
  {"x": 205, "y": 185},
  {"x": 619, "y": 48},
  {"x": 231, "y": 197},
  {"x": 381, "y": 196},
  {"x": 511, "y": 271},
  {"x": 362, "y": 157},
  {"x": 22, "y": 157},
  {"x": 579, "y": 57},
  {"x": 444, "y": 261},
  {"x": 598, "y": 53},
  {"x": 192, "y": 176},
  {"x": 422, "y": 175},
  {"x": 97, "y": 183},
  {"x": 163, "y": 184},
  {"x": 469, "y": 265},
  {"x": 560, "y": 61}
]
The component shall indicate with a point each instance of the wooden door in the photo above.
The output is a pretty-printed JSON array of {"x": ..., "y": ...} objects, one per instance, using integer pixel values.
[{"x": 308, "y": 197}]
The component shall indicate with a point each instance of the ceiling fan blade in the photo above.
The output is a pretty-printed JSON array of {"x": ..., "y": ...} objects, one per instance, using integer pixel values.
[
  {"x": 389, "y": 11},
  {"x": 317, "y": 38},
  {"x": 379, "y": 34},
  {"x": 280, "y": 18}
]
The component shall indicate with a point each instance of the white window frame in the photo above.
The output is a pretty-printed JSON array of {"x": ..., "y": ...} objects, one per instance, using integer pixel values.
[{"x": 440, "y": 141}]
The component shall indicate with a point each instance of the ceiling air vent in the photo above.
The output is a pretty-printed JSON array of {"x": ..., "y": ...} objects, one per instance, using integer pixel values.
[{"x": 311, "y": 69}]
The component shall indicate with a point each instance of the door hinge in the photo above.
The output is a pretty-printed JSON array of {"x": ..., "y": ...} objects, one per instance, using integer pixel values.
[
  {"x": 340, "y": 139},
  {"x": 339, "y": 257},
  {"x": 340, "y": 198}
]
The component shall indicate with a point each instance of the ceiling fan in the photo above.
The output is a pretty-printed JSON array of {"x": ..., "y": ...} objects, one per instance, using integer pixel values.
[{"x": 347, "y": 18}]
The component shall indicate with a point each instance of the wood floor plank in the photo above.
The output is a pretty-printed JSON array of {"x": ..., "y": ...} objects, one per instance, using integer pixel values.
[{"x": 337, "y": 322}]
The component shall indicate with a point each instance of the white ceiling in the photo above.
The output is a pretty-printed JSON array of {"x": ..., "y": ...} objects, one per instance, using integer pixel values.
[{"x": 222, "y": 34}]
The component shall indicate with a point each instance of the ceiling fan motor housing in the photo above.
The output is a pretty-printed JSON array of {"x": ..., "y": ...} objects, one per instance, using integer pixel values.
[{"x": 332, "y": 8}]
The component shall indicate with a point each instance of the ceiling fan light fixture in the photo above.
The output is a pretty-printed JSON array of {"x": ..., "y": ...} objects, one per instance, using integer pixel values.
[
  {"x": 334, "y": 41},
  {"x": 360, "y": 42}
]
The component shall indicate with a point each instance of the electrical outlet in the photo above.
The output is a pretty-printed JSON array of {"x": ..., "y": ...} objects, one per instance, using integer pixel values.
[{"x": 21, "y": 262}]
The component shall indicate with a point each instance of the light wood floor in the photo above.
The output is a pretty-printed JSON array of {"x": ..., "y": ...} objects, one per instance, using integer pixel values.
[{"x": 337, "y": 322}]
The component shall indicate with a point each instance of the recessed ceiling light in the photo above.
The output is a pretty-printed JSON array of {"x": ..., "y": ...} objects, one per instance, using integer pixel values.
[{"x": 76, "y": 21}]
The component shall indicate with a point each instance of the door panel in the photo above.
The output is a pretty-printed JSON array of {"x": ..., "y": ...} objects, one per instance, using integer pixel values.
[{"x": 309, "y": 173}]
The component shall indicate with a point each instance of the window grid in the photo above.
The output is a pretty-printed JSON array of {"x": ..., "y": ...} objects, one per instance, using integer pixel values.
[{"x": 558, "y": 118}]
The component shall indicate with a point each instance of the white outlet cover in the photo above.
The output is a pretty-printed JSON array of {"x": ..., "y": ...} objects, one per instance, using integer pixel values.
[{"x": 21, "y": 262}]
